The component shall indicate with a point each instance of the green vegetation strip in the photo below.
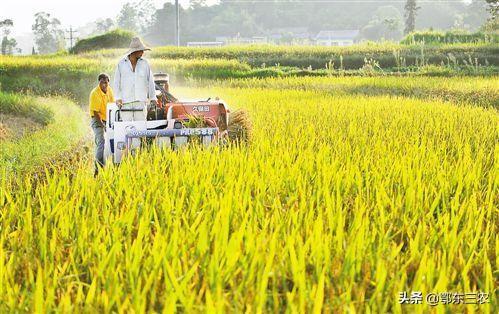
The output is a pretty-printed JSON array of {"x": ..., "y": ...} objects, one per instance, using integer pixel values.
[
  {"x": 24, "y": 106},
  {"x": 353, "y": 57},
  {"x": 449, "y": 37},
  {"x": 66, "y": 130}
]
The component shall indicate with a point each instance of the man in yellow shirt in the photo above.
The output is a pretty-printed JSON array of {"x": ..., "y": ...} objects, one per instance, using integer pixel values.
[{"x": 99, "y": 98}]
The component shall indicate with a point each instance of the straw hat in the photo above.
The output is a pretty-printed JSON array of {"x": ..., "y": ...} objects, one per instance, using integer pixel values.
[
  {"x": 136, "y": 45},
  {"x": 161, "y": 77}
]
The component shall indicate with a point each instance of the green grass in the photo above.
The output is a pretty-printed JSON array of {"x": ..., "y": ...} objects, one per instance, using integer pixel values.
[
  {"x": 25, "y": 106},
  {"x": 67, "y": 127}
]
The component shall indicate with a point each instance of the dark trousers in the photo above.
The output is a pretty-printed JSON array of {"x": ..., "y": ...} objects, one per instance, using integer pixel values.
[{"x": 99, "y": 143}]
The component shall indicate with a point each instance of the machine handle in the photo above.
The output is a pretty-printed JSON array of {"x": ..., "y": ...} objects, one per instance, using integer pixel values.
[
  {"x": 120, "y": 109},
  {"x": 133, "y": 102}
]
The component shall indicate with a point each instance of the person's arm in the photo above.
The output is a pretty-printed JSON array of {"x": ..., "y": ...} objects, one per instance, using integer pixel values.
[
  {"x": 99, "y": 119},
  {"x": 117, "y": 86},
  {"x": 152, "y": 86}
]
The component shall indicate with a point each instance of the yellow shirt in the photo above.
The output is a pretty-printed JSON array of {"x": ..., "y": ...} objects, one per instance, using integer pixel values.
[{"x": 98, "y": 101}]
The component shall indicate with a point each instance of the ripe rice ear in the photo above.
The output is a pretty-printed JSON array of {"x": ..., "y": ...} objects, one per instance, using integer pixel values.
[{"x": 240, "y": 127}]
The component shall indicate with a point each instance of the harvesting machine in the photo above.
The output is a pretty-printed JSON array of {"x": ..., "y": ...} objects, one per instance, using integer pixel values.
[{"x": 171, "y": 123}]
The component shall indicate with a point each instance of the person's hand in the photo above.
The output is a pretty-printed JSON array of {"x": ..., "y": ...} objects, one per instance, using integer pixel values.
[{"x": 119, "y": 102}]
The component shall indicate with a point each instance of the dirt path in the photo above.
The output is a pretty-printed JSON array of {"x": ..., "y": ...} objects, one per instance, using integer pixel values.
[{"x": 14, "y": 127}]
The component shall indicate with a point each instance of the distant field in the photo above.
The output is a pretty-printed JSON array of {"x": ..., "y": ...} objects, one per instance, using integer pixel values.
[
  {"x": 386, "y": 55},
  {"x": 481, "y": 91},
  {"x": 74, "y": 75}
]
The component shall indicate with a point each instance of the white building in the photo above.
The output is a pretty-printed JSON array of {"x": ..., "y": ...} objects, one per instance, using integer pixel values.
[
  {"x": 337, "y": 38},
  {"x": 237, "y": 40},
  {"x": 205, "y": 44}
]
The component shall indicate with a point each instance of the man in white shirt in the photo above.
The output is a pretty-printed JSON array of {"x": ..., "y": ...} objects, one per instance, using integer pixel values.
[{"x": 133, "y": 79}]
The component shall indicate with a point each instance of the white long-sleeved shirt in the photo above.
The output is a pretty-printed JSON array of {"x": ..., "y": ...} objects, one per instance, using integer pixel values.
[{"x": 133, "y": 86}]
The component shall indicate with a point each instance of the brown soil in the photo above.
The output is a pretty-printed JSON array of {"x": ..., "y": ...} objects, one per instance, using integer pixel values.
[{"x": 14, "y": 127}]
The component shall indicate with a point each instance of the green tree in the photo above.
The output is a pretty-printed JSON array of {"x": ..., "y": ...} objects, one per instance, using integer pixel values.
[
  {"x": 127, "y": 19},
  {"x": 195, "y": 4},
  {"x": 476, "y": 14},
  {"x": 145, "y": 11},
  {"x": 162, "y": 31},
  {"x": 8, "y": 44},
  {"x": 136, "y": 16},
  {"x": 200, "y": 22},
  {"x": 411, "y": 9},
  {"x": 385, "y": 24},
  {"x": 49, "y": 37},
  {"x": 493, "y": 21},
  {"x": 104, "y": 26}
]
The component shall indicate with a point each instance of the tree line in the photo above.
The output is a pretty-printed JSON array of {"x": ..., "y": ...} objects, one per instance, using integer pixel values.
[{"x": 380, "y": 20}]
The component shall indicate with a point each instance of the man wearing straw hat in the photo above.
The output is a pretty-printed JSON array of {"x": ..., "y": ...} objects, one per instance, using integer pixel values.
[{"x": 133, "y": 79}]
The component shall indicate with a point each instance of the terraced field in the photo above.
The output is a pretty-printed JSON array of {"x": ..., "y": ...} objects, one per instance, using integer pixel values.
[{"x": 352, "y": 191}]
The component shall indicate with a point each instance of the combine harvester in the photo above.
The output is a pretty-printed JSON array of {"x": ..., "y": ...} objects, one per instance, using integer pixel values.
[{"x": 170, "y": 124}]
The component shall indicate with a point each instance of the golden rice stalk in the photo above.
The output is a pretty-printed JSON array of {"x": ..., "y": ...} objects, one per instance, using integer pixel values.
[
  {"x": 240, "y": 127},
  {"x": 195, "y": 121}
]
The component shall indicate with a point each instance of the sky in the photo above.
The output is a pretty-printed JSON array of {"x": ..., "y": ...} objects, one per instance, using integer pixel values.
[{"x": 69, "y": 12}]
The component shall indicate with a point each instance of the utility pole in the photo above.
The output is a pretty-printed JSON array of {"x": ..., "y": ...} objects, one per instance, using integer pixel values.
[
  {"x": 71, "y": 37},
  {"x": 177, "y": 24}
]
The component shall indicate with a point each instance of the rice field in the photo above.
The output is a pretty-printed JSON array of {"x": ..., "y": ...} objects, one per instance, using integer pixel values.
[{"x": 338, "y": 204}]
